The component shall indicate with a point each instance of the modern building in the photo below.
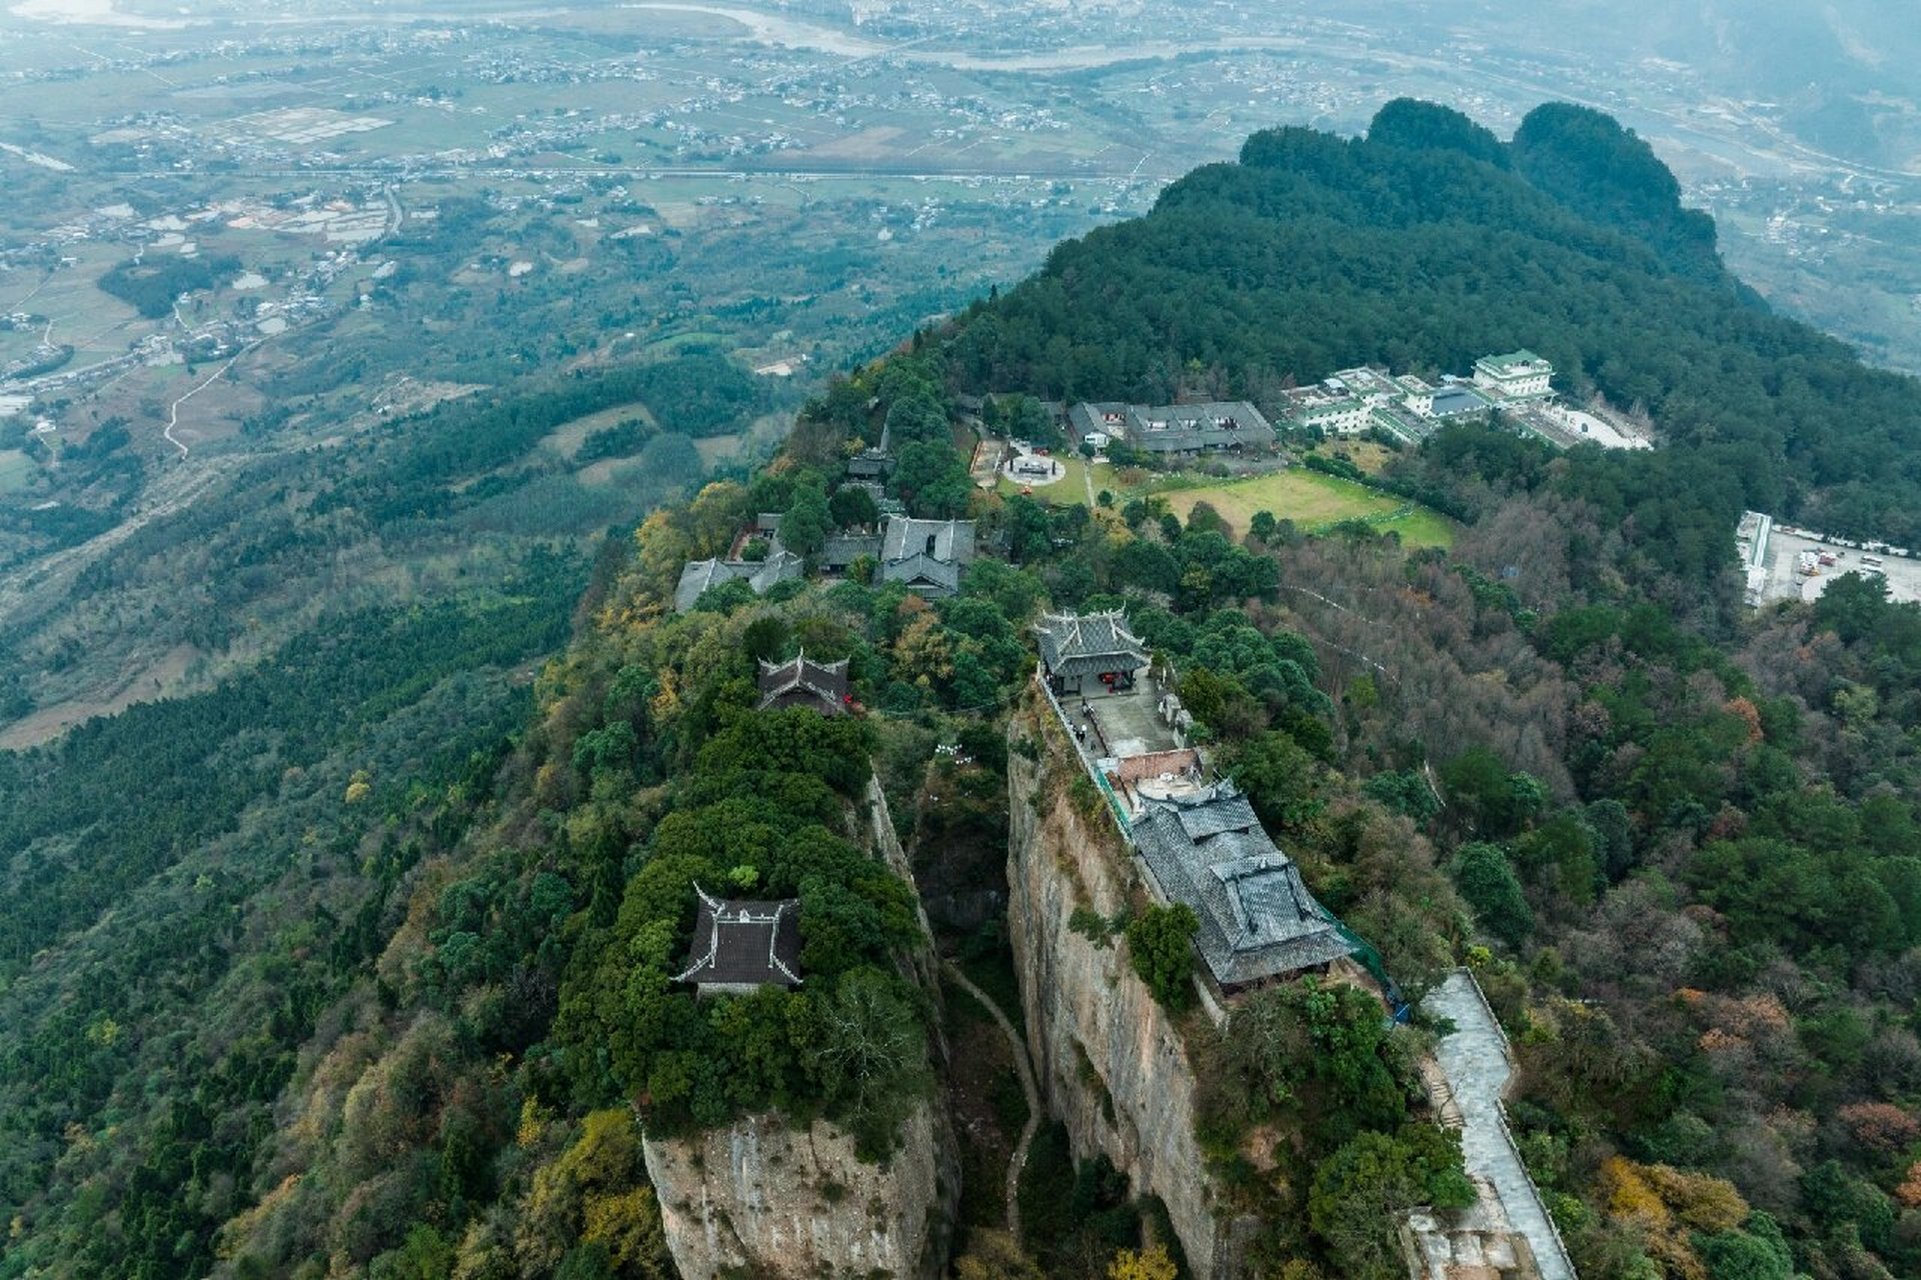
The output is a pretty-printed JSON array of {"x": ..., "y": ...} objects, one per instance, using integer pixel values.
[
  {"x": 696, "y": 576},
  {"x": 819, "y": 686},
  {"x": 1518, "y": 375},
  {"x": 1257, "y": 918},
  {"x": 929, "y": 556},
  {"x": 1329, "y": 410},
  {"x": 1456, "y": 401},
  {"x": 1361, "y": 399},
  {"x": 1089, "y": 652},
  {"x": 741, "y": 946}
]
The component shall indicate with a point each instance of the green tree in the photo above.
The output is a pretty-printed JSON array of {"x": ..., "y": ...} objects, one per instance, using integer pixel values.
[
  {"x": 804, "y": 527},
  {"x": 933, "y": 481},
  {"x": 1487, "y": 880},
  {"x": 1362, "y": 1192},
  {"x": 853, "y": 507},
  {"x": 1160, "y": 944},
  {"x": 426, "y": 1255},
  {"x": 1282, "y": 781}
]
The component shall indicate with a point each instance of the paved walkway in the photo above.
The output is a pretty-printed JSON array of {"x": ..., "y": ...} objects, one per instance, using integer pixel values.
[
  {"x": 1475, "y": 1060},
  {"x": 1018, "y": 1160}
]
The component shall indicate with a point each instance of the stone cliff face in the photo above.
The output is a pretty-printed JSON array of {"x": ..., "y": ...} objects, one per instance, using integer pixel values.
[
  {"x": 759, "y": 1198},
  {"x": 1113, "y": 1067},
  {"x": 762, "y": 1199}
]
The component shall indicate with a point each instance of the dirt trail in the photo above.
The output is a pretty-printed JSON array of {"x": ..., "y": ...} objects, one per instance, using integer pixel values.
[
  {"x": 173, "y": 410},
  {"x": 1018, "y": 1160}
]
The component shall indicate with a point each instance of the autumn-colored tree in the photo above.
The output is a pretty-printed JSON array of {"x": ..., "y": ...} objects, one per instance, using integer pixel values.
[
  {"x": 1880, "y": 1126},
  {"x": 922, "y": 654},
  {"x": 1909, "y": 1192},
  {"x": 1146, "y": 1264}
]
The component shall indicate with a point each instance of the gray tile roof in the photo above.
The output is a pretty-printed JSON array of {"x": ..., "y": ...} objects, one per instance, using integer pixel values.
[
  {"x": 942, "y": 539},
  {"x": 1257, "y": 917},
  {"x": 1089, "y": 644},
  {"x": 842, "y": 549},
  {"x": 738, "y": 942},
  {"x": 929, "y": 555},
  {"x": 923, "y": 571},
  {"x": 1184, "y": 427},
  {"x": 1175, "y": 428},
  {"x": 826, "y": 682},
  {"x": 696, "y": 576}
]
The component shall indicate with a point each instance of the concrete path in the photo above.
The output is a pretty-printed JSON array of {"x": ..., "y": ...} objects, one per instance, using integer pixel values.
[
  {"x": 1475, "y": 1060},
  {"x": 1018, "y": 1160}
]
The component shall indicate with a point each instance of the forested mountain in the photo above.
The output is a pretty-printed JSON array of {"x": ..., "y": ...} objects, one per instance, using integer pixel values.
[
  {"x": 1679, "y": 845},
  {"x": 1433, "y": 244}
]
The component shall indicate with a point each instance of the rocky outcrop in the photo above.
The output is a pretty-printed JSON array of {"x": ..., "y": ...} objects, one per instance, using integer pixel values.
[
  {"x": 1114, "y": 1068},
  {"x": 762, "y": 1199},
  {"x": 759, "y": 1198}
]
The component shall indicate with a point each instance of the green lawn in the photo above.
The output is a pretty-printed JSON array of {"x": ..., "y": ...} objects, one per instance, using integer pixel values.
[
  {"x": 16, "y": 470},
  {"x": 1069, "y": 491},
  {"x": 1313, "y": 501}
]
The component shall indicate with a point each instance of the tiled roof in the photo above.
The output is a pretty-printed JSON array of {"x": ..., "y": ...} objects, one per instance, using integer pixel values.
[
  {"x": 842, "y": 549},
  {"x": 744, "y": 943},
  {"x": 953, "y": 540},
  {"x": 923, "y": 570},
  {"x": 696, "y": 576},
  {"x": 1257, "y": 916},
  {"x": 1089, "y": 644},
  {"x": 827, "y": 681}
]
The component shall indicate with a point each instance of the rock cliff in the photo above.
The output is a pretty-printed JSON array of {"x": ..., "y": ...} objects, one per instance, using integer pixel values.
[
  {"x": 763, "y": 1199},
  {"x": 1113, "y": 1066}
]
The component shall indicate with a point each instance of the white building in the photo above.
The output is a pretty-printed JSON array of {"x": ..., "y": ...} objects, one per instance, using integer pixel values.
[{"x": 1518, "y": 375}]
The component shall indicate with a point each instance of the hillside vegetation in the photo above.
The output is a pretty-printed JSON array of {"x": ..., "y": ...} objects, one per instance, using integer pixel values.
[
  {"x": 1680, "y": 846},
  {"x": 1430, "y": 243}
]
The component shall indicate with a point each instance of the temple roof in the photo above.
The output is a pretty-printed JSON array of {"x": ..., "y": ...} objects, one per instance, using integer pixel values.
[
  {"x": 1089, "y": 644},
  {"x": 738, "y": 942},
  {"x": 951, "y": 541},
  {"x": 827, "y": 681},
  {"x": 1257, "y": 917},
  {"x": 696, "y": 576}
]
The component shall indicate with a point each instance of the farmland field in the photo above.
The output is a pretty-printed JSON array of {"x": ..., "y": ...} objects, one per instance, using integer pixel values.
[
  {"x": 1314, "y": 501},
  {"x": 16, "y": 470}
]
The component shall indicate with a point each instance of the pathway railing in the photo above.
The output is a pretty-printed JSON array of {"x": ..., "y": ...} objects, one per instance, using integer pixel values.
[{"x": 1088, "y": 762}]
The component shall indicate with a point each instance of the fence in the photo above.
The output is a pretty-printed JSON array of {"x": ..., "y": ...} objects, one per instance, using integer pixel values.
[{"x": 1088, "y": 763}]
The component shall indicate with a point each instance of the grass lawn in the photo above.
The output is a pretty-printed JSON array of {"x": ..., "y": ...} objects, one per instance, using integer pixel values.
[
  {"x": 1314, "y": 501},
  {"x": 1069, "y": 491},
  {"x": 16, "y": 470}
]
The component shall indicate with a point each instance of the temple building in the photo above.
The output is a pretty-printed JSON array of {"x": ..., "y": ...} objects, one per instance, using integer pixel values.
[
  {"x": 1088, "y": 653},
  {"x": 1257, "y": 918},
  {"x": 742, "y": 946},
  {"x": 697, "y": 576},
  {"x": 928, "y": 556},
  {"x": 819, "y": 686}
]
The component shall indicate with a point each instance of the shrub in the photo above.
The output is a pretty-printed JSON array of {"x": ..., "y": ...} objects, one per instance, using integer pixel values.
[{"x": 1160, "y": 943}]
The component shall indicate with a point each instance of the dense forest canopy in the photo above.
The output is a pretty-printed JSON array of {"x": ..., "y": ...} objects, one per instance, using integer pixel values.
[{"x": 1422, "y": 247}]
